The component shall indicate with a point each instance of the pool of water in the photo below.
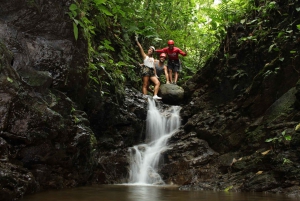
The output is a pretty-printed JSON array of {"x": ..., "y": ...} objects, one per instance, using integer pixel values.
[{"x": 147, "y": 193}]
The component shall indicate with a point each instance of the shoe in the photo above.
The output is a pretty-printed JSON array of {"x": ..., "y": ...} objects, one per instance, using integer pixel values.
[
  {"x": 157, "y": 97},
  {"x": 145, "y": 96}
]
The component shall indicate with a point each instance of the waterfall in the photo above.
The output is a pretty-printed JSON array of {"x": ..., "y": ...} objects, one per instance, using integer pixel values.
[{"x": 145, "y": 158}]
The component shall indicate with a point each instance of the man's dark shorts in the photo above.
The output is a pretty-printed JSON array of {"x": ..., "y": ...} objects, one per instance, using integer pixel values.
[{"x": 174, "y": 65}]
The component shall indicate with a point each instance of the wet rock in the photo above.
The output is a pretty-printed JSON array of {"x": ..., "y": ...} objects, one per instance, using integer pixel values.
[
  {"x": 171, "y": 94},
  {"x": 15, "y": 181},
  {"x": 42, "y": 145},
  {"x": 39, "y": 79},
  {"x": 45, "y": 53},
  {"x": 261, "y": 182},
  {"x": 184, "y": 157}
]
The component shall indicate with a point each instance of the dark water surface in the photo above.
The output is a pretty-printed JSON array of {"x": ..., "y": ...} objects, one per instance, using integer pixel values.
[{"x": 147, "y": 193}]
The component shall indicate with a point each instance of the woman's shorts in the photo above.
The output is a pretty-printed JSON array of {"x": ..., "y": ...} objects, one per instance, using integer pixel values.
[
  {"x": 174, "y": 65},
  {"x": 146, "y": 71}
]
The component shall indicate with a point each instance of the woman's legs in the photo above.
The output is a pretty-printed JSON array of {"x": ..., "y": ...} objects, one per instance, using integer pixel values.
[
  {"x": 145, "y": 84},
  {"x": 156, "y": 84},
  {"x": 149, "y": 88}
]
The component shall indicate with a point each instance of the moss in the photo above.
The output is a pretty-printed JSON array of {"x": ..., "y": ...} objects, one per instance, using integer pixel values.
[
  {"x": 256, "y": 135},
  {"x": 93, "y": 141}
]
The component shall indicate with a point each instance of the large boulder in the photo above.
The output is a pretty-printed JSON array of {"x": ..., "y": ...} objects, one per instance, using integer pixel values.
[{"x": 171, "y": 94}]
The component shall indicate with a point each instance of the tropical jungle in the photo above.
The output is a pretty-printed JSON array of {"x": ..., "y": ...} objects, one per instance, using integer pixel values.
[{"x": 72, "y": 103}]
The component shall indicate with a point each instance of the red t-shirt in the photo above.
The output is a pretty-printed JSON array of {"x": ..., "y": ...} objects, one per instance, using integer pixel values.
[{"x": 172, "y": 53}]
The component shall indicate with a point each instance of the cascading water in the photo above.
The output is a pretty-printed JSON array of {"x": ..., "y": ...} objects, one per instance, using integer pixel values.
[{"x": 144, "y": 158}]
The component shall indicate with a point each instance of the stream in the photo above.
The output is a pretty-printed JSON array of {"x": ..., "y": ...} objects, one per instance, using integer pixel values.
[
  {"x": 144, "y": 182},
  {"x": 147, "y": 193}
]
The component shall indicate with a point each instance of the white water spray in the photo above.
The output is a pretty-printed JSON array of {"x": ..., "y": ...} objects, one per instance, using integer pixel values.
[{"x": 144, "y": 158}]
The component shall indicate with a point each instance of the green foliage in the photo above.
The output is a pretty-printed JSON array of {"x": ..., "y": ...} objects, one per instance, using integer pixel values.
[
  {"x": 279, "y": 139},
  {"x": 9, "y": 79},
  {"x": 196, "y": 26},
  {"x": 77, "y": 14},
  {"x": 286, "y": 161}
]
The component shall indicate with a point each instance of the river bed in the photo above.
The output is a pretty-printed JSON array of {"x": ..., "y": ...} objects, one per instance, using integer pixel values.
[{"x": 148, "y": 193}]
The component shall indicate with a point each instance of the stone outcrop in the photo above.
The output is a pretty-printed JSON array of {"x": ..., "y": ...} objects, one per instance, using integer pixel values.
[
  {"x": 40, "y": 36},
  {"x": 171, "y": 94},
  {"x": 246, "y": 107},
  {"x": 45, "y": 140}
]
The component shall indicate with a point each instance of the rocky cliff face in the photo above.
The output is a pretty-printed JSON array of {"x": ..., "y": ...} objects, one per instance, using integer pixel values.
[
  {"x": 45, "y": 141},
  {"x": 40, "y": 35},
  {"x": 241, "y": 112}
]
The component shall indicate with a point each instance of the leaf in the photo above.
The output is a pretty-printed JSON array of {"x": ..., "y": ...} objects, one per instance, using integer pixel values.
[
  {"x": 298, "y": 9},
  {"x": 259, "y": 172},
  {"x": 288, "y": 137},
  {"x": 265, "y": 152},
  {"x": 269, "y": 140},
  {"x": 132, "y": 28},
  {"x": 76, "y": 21},
  {"x": 297, "y": 127},
  {"x": 243, "y": 21},
  {"x": 107, "y": 46},
  {"x": 104, "y": 10},
  {"x": 97, "y": 2},
  {"x": 298, "y": 26},
  {"x": 94, "y": 79},
  {"x": 252, "y": 21},
  {"x": 73, "y": 7},
  {"x": 280, "y": 34},
  {"x": 9, "y": 79},
  {"x": 270, "y": 48},
  {"x": 121, "y": 63},
  {"x": 75, "y": 30},
  {"x": 228, "y": 188},
  {"x": 281, "y": 59},
  {"x": 286, "y": 160},
  {"x": 293, "y": 51}
]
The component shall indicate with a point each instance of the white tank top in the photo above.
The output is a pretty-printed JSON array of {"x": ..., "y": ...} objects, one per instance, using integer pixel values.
[{"x": 149, "y": 62}]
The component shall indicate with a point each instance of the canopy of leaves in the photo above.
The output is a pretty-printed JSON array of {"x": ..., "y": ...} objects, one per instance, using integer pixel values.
[{"x": 196, "y": 26}]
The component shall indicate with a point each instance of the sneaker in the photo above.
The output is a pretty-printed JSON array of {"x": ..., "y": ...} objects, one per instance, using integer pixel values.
[
  {"x": 156, "y": 97},
  {"x": 145, "y": 96}
]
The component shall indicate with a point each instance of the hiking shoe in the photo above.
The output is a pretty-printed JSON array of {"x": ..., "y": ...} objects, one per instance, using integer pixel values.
[
  {"x": 157, "y": 97},
  {"x": 145, "y": 96}
]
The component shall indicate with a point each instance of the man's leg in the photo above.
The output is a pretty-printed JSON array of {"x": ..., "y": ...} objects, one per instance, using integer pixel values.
[
  {"x": 176, "y": 70},
  {"x": 175, "y": 77},
  {"x": 170, "y": 76}
]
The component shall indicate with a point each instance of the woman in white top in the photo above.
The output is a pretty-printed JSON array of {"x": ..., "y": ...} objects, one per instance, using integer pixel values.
[{"x": 148, "y": 71}]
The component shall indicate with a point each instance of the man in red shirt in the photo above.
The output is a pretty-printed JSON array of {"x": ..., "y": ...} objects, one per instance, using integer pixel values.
[{"x": 173, "y": 59}]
